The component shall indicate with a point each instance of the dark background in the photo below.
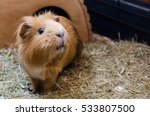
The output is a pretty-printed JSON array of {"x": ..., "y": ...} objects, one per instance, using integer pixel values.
[{"x": 120, "y": 19}]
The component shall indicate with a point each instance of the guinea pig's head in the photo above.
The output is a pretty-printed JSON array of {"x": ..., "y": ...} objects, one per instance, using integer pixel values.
[{"x": 41, "y": 37}]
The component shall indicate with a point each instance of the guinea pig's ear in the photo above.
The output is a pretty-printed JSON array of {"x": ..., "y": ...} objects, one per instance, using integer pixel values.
[
  {"x": 24, "y": 30},
  {"x": 57, "y": 19}
]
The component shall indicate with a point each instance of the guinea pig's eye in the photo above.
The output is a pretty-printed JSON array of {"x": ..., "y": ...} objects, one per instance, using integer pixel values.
[{"x": 40, "y": 31}]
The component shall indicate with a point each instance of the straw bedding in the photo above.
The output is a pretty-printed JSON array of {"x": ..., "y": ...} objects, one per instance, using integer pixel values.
[{"x": 119, "y": 71}]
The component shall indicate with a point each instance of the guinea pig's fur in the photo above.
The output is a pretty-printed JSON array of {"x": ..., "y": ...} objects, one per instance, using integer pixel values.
[{"x": 46, "y": 44}]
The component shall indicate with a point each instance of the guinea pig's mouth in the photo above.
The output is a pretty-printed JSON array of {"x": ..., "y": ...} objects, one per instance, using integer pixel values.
[{"x": 61, "y": 46}]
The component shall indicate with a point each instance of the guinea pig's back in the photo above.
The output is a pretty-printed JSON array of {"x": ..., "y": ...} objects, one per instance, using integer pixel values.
[{"x": 75, "y": 45}]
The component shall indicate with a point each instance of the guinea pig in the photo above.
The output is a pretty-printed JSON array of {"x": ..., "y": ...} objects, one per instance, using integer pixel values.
[{"x": 47, "y": 43}]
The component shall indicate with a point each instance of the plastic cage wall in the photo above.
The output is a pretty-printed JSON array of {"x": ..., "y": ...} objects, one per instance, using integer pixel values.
[{"x": 124, "y": 18}]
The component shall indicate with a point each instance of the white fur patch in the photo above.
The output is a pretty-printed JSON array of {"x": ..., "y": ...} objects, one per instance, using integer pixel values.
[
  {"x": 36, "y": 72},
  {"x": 55, "y": 27}
]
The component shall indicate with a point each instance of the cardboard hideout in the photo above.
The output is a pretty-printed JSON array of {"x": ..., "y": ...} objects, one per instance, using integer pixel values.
[{"x": 11, "y": 11}]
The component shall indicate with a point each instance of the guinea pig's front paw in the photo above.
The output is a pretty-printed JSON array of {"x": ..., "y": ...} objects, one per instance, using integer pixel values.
[
  {"x": 31, "y": 90},
  {"x": 37, "y": 86},
  {"x": 38, "y": 90},
  {"x": 43, "y": 86}
]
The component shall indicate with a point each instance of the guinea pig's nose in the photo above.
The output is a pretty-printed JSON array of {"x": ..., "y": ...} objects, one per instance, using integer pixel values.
[{"x": 60, "y": 35}]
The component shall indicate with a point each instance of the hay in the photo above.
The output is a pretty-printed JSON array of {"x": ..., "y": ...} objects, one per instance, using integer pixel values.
[
  {"x": 13, "y": 81},
  {"x": 120, "y": 71}
]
